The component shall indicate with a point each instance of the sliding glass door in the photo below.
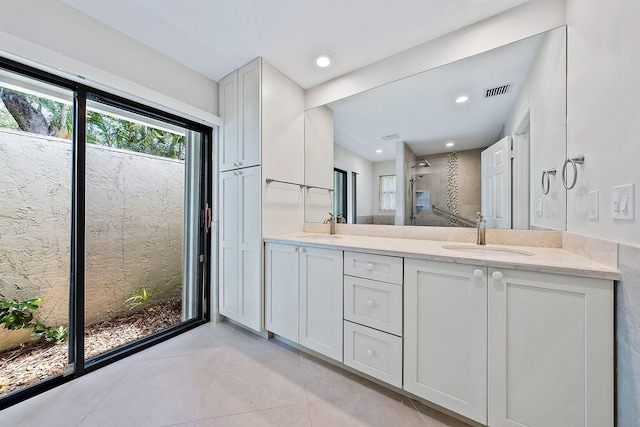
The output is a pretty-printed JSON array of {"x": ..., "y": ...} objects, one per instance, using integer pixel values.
[
  {"x": 104, "y": 228},
  {"x": 35, "y": 230},
  {"x": 141, "y": 226}
]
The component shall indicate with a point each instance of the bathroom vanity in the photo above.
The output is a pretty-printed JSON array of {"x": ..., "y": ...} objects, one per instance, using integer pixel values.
[{"x": 502, "y": 335}]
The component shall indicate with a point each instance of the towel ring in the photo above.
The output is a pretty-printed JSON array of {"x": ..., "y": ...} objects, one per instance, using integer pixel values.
[
  {"x": 546, "y": 180},
  {"x": 578, "y": 160}
]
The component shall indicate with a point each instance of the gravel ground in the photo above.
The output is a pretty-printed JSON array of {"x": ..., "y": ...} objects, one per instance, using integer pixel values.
[{"x": 39, "y": 360}]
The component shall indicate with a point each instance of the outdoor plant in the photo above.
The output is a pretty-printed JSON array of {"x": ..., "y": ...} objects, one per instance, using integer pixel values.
[
  {"x": 57, "y": 335},
  {"x": 138, "y": 299},
  {"x": 16, "y": 314}
]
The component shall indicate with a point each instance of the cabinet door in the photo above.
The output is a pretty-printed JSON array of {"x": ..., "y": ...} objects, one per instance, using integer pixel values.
[
  {"x": 250, "y": 298},
  {"x": 550, "y": 350},
  {"x": 249, "y": 119},
  {"x": 228, "y": 107},
  {"x": 228, "y": 253},
  {"x": 445, "y": 335},
  {"x": 321, "y": 301},
  {"x": 281, "y": 273}
]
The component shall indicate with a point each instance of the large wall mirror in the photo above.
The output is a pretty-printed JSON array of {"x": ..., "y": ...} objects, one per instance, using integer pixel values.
[{"x": 482, "y": 134}]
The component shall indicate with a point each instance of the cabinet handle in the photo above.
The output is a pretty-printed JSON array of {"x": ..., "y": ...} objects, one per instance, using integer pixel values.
[
  {"x": 239, "y": 164},
  {"x": 478, "y": 273},
  {"x": 295, "y": 249},
  {"x": 370, "y": 267},
  {"x": 369, "y": 303},
  {"x": 497, "y": 275},
  {"x": 369, "y": 352},
  {"x": 301, "y": 250}
]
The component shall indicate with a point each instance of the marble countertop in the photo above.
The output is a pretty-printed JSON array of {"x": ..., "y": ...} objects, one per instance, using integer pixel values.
[{"x": 540, "y": 259}]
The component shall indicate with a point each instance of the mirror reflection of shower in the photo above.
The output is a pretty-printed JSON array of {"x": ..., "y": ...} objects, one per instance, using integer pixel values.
[
  {"x": 412, "y": 181},
  {"x": 421, "y": 164}
]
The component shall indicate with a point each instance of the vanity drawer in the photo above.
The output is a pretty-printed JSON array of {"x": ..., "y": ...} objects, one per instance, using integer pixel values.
[
  {"x": 375, "y": 353},
  {"x": 376, "y": 267},
  {"x": 374, "y": 304}
]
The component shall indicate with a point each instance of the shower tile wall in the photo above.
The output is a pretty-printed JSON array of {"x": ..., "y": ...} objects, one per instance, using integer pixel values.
[{"x": 438, "y": 180}]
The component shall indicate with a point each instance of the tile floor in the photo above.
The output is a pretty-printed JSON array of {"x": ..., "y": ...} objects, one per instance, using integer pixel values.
[{"x": 221, "y": 375}]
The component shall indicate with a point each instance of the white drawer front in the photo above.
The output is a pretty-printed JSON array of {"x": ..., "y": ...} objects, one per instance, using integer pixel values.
[
  {"x": 377, "y": 267},
  {"x": 373, "y": 352},
  {"x": 374, "y": 304}
]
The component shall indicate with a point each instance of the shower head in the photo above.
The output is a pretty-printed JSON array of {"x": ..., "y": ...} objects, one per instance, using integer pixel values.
[{"x": 422, "y": 164}]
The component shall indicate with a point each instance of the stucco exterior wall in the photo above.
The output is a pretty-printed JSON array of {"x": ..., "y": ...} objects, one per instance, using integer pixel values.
[{"x": 134, "y": 225}]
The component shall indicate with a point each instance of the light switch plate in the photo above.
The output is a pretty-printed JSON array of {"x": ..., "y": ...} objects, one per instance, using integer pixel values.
[
  {"x": 594, "y": 207},
  {"x": 623, "y": 202}
]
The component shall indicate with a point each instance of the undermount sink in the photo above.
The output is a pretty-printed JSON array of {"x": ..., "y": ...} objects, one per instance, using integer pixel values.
[
  {"x": 322, "y": 237},
  {"x": 480, "y": 249}
]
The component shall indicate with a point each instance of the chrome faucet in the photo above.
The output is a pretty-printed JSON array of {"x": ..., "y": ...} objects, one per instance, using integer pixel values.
[
  {"x": 332, "y": 223},
  {"x": 481, "y": 224}
]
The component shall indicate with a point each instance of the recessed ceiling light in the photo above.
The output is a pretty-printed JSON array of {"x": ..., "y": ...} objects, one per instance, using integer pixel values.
[
  {"x": 323, "y": 61},
  {"x": 449, "y": 144},
  {"x": 462, "y": 99},
  {"x": 378, "y": 151}
]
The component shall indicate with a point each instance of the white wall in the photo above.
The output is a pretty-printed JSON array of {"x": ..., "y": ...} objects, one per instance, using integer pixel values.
[
  {"x": 318, "y": 163},
  {"x": 531, "y": 18},
  {"x": 350, "y": 161},
  {"x": 543, "y": 98},
  {"x": 58, "y": 38},
  {"x": 603, "y": 109}
]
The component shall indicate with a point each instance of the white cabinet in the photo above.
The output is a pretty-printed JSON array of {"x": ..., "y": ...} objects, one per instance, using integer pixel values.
[
  {"x": 373, "y": 315},
  {"x": 550, "y": 350},
  {"x": 445, "y": 335},
  {"x": 373, "y": 352},
  {"x": 321, "y": 301},
  {"x": 240, "y": 285},
  {"x": 262, "y": 112},
  {"x": 549, "y": 341},
  {"x": 304, "y": 296},
  {"x": 282, "y": 284},
  {"x": 239, "y": 105}
]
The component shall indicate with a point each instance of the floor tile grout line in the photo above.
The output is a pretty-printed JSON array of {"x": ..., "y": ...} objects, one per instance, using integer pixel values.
[
  {"x": 129, "y": 367},
  {"x": 419, "y": 413},
  {"x": 306, "y": 388},
  {"x": 243, "y": 413}
]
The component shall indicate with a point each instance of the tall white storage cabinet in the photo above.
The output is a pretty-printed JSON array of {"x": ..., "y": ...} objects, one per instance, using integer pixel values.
[{"x": 262, "y": 137}]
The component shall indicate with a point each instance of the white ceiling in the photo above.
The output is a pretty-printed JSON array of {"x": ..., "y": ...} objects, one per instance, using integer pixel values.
[
  {"x": 422, "y": 110},
  {"x": 214, "y": 37}
]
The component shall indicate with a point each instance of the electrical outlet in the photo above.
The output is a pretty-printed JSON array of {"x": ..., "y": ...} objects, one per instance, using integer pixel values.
[
  {"x": 594, "y": 205},
  {"x": 623, "y": 202}
]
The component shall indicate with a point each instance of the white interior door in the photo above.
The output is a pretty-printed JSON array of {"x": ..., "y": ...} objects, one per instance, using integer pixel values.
[
  {"x": 496, "y": 184},
  {"x": 520, "y": 192}
]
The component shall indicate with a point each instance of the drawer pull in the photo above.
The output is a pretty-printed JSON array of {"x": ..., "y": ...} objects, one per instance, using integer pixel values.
[
  {"x": 369, "y": 352},
  {"x": 370, "y": 267},
  {"x": 301, "y": 250},
  {"x": 369, "y": 303},
  {"x": 497, "y": 275},
  {"x": 478, "y": 273}
]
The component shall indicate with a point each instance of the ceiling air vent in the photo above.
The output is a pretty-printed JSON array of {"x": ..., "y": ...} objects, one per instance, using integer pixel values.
[
  {"x": 391, "y": 137},
  {"x": 500, "y": 90}
]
